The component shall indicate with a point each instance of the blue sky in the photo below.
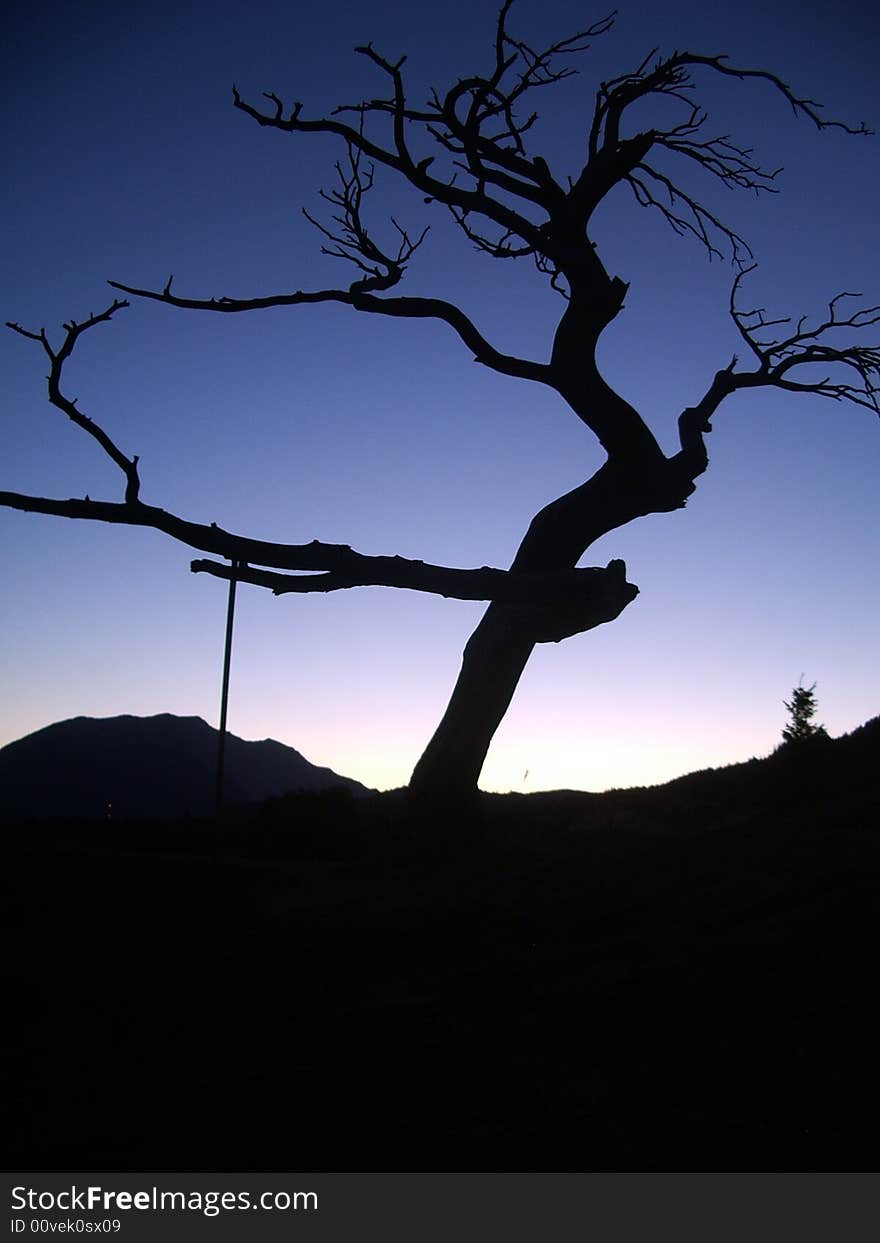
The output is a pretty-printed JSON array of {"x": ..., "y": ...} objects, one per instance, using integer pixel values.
[{"x": 127, "y": 161}]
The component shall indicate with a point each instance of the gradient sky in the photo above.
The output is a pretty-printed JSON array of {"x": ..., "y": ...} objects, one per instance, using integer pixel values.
[{"x": 126, "y": 160}]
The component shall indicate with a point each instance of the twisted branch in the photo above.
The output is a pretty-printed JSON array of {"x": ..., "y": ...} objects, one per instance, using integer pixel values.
[{"x": 68, "y": 405}]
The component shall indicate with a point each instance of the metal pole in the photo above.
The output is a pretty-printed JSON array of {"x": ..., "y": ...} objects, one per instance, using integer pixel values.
[{"x": 224, "y": 695}]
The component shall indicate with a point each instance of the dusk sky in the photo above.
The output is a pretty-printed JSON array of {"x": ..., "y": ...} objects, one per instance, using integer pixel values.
[{"x": 126, "y": 160}]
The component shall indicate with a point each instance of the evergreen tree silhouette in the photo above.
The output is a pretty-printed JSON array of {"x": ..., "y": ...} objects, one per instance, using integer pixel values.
[{"x": 802, "y": 709}]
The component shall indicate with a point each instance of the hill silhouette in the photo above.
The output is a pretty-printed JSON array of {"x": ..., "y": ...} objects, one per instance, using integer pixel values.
[
  {"x": 830, "y": 773},
  {"x": 670, "y": 978},
  {"x": 145, "y": 768}
]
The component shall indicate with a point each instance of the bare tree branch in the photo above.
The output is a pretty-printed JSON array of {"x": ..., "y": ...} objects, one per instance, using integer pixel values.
[
  {"x": 500, "y": 158},
  {"x": 398, "y": 157},
  {"x": 778, "y": 357},
  {"x": 353, "y": 242},
  {"x": 474, "y": 119},
  {"x": 581, "y": 594},
  {"x": 398, "y": 308},
  {"x": 57, "y": 358},
  {"x": 611, "y": 154},
  {"x": 343, "y": 568},
  {"x": 799, "y": 106},
  {"x": 552, "y": 607},
  {"x": 699, "y": 221}
]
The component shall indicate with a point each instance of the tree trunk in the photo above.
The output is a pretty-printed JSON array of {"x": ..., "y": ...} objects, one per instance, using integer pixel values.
[
  {"x": 498, "y": 650},
  {"x": 493, "y": 660}
]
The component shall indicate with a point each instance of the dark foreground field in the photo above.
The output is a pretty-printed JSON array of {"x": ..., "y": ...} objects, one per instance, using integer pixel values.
[{"x": 659, "y": 980}]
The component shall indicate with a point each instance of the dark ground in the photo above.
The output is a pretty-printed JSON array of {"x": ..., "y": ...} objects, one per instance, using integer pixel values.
[{"x": 656, "y": 980}]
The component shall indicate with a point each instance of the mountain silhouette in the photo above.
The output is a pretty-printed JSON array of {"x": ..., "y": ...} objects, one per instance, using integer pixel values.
[{"x": 145, "y": 768}]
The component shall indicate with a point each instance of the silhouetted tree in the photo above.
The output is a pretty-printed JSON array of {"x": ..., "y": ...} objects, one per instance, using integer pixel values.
[
  {"x": 802, "y": 708},
  {"x": 468, "y": 149}
]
